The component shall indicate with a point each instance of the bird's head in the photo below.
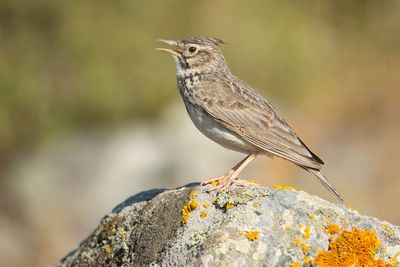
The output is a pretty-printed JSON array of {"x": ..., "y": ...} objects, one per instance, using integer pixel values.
[{"x": 197, "y": 54}]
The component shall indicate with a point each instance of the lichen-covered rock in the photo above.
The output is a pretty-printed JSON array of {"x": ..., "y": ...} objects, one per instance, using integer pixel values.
[{"x": 252, "y": 226}]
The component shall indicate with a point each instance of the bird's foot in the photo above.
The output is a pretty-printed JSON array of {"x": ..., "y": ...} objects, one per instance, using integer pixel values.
[{"x": 222, "y": 182}]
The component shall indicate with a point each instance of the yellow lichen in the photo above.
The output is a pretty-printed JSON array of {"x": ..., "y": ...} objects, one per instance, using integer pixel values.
[
  {"x": 352, "y": 209},
  {"x": 203, "y": 214},
  {"x": 295, "y": 264},
  {"x": 307, "y": 260},
  {"x": 389, "y": 230},
  {"x": 192, "y": 194},
  {"x": 288, "y": 228},
  {"x": 394, "y": 259},
  {"x": 306, "y": 234},
  {"x": 228, "y": 206},
  {"x": 109, "y": 250},
  {"x": 205, "y": 205},
  {"x": 333, "y": 229},
  {"x": 351, "y": 248},
  {"x": 300, "y": 225},
  {"x": 328, "y": 219},
  {"x": 311, "y": 217},
  {"x": 189, "y": 207},
  {"x": 284, "y": 187},
  {"x": 214, "y": 182},
  {"x": 252, "y": 235},
  {"x": 304, "y": 248},
  {"x": 253, "y": 181}
]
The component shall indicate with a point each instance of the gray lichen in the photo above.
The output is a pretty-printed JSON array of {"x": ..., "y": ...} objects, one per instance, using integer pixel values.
[{"x": 252, "y": 226}]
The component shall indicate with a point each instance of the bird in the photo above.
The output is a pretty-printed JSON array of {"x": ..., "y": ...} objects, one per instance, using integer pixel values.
[{"x": 230, "y": 112}]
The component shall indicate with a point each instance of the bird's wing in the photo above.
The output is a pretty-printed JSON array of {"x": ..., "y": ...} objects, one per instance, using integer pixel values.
[{"x": 242, "y": 110}]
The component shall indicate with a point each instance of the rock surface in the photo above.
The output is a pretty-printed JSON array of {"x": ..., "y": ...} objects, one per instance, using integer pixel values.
[{"x": 252, "y": 226}]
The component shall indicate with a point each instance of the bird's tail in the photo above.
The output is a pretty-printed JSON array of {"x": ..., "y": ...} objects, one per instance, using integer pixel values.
[{"x": 325, "y": 182}]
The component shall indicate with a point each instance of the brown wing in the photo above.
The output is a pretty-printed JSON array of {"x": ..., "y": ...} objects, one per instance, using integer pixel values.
[{"x": 242, "y": 110}]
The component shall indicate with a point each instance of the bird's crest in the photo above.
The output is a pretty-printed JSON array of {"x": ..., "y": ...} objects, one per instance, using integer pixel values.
[{"x": 204, "y": 40}]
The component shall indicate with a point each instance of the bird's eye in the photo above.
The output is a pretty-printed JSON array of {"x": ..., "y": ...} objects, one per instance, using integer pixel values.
[{"x": 192, "y": 49}]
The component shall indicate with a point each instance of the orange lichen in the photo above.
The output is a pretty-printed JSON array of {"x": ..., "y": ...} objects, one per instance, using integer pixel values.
[
  {"x": 297, "y": 241},
  {"x": 187, "y": 209},
  {"x": 333, "y": 229},
  {"x": 351, "y": 248},
  {"x": 284, "y": 187},
  {"x": 300, "y": 225},
  {"x": 306, "y": 234},
  {"x": 228, "y": 206},
  {"x": 192, "y": 194},
  {"x": 203, "y": 214},
  {"x": 205, "y": 205},
  {"x": 295, "y": 264},
  {"x": 252, "y": 235},
  {"x": 307, "y": 260}
]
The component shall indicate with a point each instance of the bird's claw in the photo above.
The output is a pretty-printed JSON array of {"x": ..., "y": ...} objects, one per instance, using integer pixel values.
[{"x": 222, "y": 182}]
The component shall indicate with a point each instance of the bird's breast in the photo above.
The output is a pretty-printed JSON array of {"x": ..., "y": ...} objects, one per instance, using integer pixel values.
[{"x": 218, "y": 133}]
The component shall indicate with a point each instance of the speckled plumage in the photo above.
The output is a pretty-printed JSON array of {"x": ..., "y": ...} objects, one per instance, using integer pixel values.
[{"x": 230, "y": 112}]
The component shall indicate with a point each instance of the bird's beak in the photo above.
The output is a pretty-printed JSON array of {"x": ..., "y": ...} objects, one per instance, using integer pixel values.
[{"x": 175, "y": 48}]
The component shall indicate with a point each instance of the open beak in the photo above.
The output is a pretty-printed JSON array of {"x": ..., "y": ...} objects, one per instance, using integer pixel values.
[{"x": 175, "y": 49}]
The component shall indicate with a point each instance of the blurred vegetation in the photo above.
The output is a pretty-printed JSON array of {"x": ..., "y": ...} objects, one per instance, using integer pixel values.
[{"x": 66, "y": 65}]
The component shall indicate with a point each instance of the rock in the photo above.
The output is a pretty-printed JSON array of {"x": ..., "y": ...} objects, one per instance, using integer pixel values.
[{"x": 252, "y": 226}]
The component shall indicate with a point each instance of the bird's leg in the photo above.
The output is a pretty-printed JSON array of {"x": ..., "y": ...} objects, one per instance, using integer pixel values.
[{"x": 222, "y": 182}]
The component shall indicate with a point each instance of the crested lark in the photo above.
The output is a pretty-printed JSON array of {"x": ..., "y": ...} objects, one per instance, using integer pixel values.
[{"x": 230, "y": 112}]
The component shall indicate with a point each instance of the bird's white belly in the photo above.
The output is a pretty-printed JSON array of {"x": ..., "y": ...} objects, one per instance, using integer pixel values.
[{"x": 219, "y": 134}]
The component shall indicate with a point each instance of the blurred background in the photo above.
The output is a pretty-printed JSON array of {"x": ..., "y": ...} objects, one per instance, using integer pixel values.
[{"x": 90, "y": 113}]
